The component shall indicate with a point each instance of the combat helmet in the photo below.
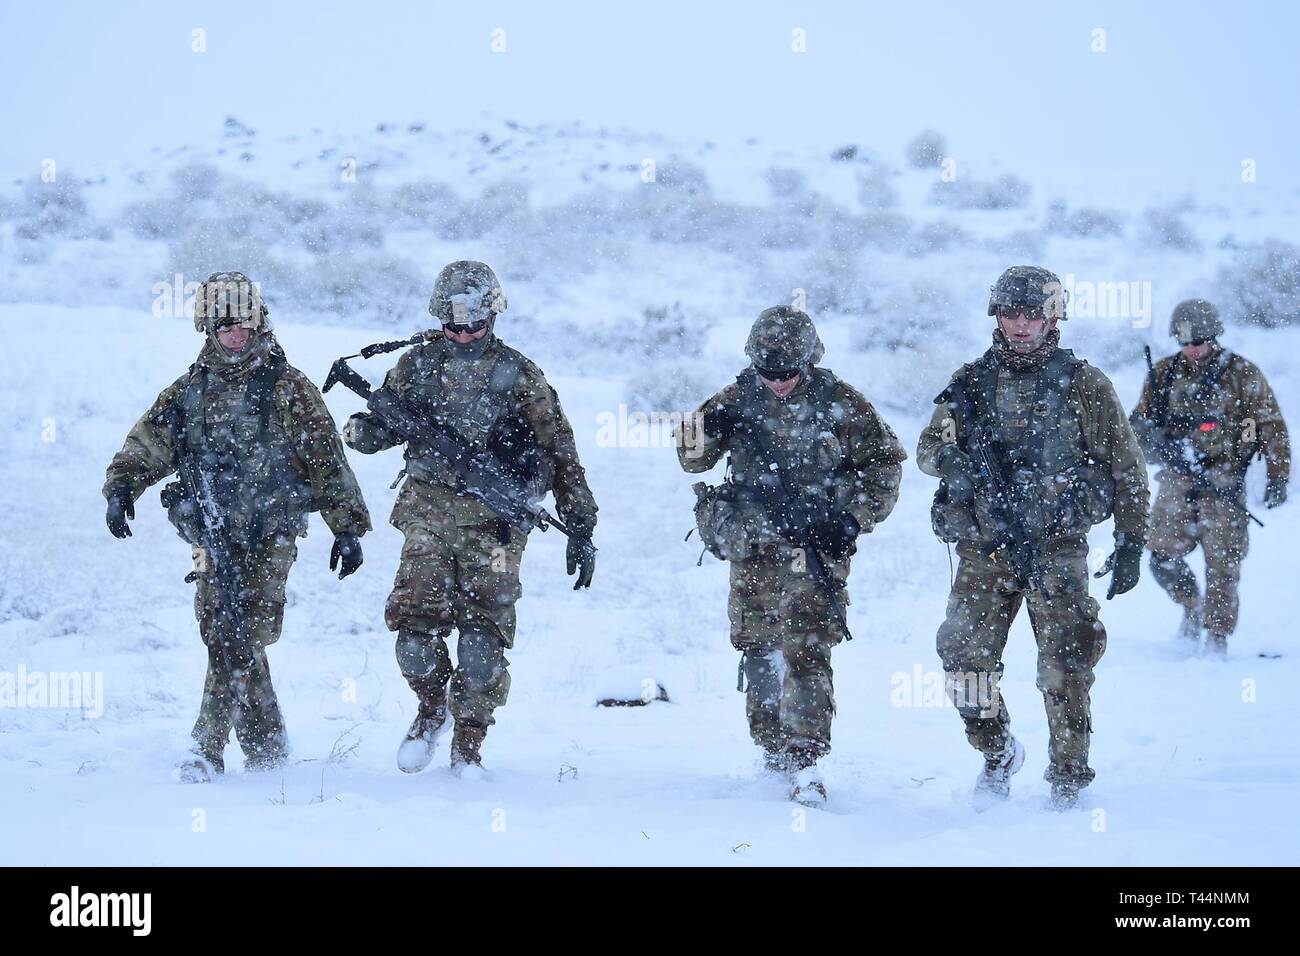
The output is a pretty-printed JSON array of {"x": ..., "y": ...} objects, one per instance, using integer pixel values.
[
  {"x": 1030, "y": 287},
  {"x": 783, "y": 339},
  {"x": 230, "y": 298},
  {"x": 1195, "y": 320},
  {"x": 466, "y": 293}
]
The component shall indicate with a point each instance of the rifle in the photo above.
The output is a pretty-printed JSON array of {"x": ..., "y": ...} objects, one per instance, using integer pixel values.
[
  {"x": 797, "y": 532},
  {"x": 478, "y": 473},
  {"x": 1005, "y": 497},
  {"x": 197, "y": 492},
  {"x": 1169, "y": 452}
]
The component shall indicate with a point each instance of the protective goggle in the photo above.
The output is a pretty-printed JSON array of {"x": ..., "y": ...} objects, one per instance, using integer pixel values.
[
  {"x": 468, "y": 328},
  {"x": 777, "y": 374},
  {"x": 252, "y": 323},
  {"x": 1031, "y": 312}
]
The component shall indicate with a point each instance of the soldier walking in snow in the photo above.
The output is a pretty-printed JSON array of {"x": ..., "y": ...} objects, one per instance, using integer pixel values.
[
  {"x": 1034, "y": 449},
  {"x": 256, "y": 450},
  {"x": 460, "y": 562},
  {"x": 812, "y": 467},
  {"x": 1205, "y": 412}
]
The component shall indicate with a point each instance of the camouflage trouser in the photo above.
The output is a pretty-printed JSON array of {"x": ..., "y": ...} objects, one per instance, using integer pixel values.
[
  {"x": 259, "y": 727},
  {"x": 1179, "y": 523},
  {"x": 786, "y": 628},
  {"x": 984, "y": 601},
  {"x": 462, "y": 577}
]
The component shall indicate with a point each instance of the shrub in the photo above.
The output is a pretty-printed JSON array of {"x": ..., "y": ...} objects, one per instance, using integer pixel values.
[
  {"x": 926, "y": 150},
  {"x": 1262, "y": 285}
]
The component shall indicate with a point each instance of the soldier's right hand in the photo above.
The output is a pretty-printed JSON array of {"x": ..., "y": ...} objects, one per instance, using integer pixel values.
[
  {"x": 719, "y": 423},
  {"x": 120, "y": 508},
  {"x": 958, "y": 471}
]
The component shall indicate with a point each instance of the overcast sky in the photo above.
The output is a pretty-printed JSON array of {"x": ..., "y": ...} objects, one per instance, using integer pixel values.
[{"x": 1184, "y": 90}]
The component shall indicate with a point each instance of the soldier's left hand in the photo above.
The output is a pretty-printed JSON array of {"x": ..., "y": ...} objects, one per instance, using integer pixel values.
[
  {"x": 836, "y": 534},
  {"x": 1276, "y": 493},
  {"x": 580, "y": 556},
  {"x": 347, "y": 548},
  {"x": 120, "y": 508}
]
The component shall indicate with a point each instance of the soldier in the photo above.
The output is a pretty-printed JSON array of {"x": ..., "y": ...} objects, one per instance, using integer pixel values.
[
  {"x": 1054, "y": 427},
  {"x": 1204, "y": 413},
  {"x": 460, "y": 561},
  {"x": 259, "y": 433},
  {"x": 812, "y": 466}
]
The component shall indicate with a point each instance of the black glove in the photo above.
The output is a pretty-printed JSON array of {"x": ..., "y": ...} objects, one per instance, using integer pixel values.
[
  {"x": 347, "y": 546},
  {"x": 1126, "y": 562},
  {"x": 1276, "y": 493},
  {"x": 836, "y": 534},
  {"x": 958, "y": 473},
  {"x": 120, "y": 507},
  {"x": 1173, "y": 453},
  {"x": 580, "y": 556},
  {"x": 719, "y": 423}
]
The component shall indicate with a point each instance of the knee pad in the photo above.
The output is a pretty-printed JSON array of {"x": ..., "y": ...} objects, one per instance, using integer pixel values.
[
  {"x": 417, "y": 654},
  {"x": 480, "y": 658},
  {"x": 974, "y": 693},
  {"x": 1171, "y": 569}
]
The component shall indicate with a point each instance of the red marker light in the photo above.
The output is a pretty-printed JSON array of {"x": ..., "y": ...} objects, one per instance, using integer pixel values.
[{"x": 1209, "y": 426}]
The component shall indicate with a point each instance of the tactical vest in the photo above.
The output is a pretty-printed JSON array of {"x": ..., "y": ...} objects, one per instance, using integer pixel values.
[
  {"x": 246, "y": 452},
  {"x": 1197, "y": 409},
  {"x": 801, "y": 434},
  {"x": 1041, "y": 443},
  {"x": 472, "y": 398}
]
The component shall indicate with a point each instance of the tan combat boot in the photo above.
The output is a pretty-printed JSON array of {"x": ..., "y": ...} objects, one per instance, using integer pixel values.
[
  {"x": 417, "y": 747},
  {"x": 465, "y": 743}
]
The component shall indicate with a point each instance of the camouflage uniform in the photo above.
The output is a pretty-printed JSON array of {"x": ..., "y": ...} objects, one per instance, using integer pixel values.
[
  {"x": 1085, "y": 457},
  {"x": 1219, "y": 413},
  {"x": 839, "y": 450},
  {"x": 460, "y": 562},
  {"x": 277, "y": 443}
]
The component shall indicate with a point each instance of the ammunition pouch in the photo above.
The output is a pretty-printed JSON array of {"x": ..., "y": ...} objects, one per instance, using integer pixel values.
[{"x": 731, "y": 527}]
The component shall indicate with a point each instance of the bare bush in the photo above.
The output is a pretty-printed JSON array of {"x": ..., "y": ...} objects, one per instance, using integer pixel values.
[
  {"x": 926, "y": 150},
  {"x": 1262, "y": 285}
]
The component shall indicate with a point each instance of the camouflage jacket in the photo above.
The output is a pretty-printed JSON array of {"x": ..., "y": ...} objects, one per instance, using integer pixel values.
[
  {"x": 453, "y": 392},
  {"x": 299, "y": 422},
  {"x": 839, "y": 439},
  {"x": 1094, "y": 420},
  {"x": 1222, "y": 406}
]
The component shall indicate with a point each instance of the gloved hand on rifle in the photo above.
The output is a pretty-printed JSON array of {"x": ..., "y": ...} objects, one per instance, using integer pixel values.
[
  {"x": 829, "y": 531},
  {"x": 719, "y": 423},
  {"x": 834, "y": 535},
  {"x": 1276, "y": 493},
  {"x": 347, "y": 548},
  {"x": 120, "y": 508},
  {"x": 1171, "y": 452},
  {"x": 580, "y": 556},
  {"x": 958, "y": 472},
  {"x": 1126, "y": 562}
]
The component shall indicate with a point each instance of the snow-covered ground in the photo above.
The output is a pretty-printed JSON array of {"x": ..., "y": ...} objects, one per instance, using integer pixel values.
[{"x": 1196, "y": 759}]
